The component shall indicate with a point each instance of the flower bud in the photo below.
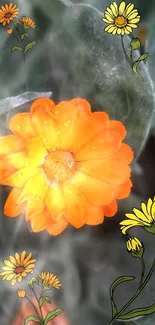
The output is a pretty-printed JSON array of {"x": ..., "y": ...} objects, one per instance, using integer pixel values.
[
  {"x": 135, "y": 44},
  {"x": 135, "y": 247},
  {"x": 9, "y": 31},
  {"x": 21, "y": 293}
]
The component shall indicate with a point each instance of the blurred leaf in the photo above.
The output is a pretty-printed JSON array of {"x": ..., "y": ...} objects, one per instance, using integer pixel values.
[
  {"x": 24, "y": 35},
  {"x": 52, "y": 314},
  {"x": 29, "y": 46},
  {"x": 16, "y": 48},
  {"x": 31, "y": 283}
]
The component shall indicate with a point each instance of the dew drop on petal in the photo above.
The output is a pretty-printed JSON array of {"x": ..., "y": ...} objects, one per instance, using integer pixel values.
[
  {"x": 45, "y": 122},
  {"x": 45, "y": 140}
]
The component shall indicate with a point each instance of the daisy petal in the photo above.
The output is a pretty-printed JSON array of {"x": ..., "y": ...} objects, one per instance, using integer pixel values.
[
  {"x": 10, "y": 143},
  {"x": 55, "y": 203},
  {"x": 122, "y": 8},
  {"x": 19, "y": 178},
  {"x": 20, "y": 125},
  {"x": 129, "y": 8},
  {"x": 134, "y": 21}
]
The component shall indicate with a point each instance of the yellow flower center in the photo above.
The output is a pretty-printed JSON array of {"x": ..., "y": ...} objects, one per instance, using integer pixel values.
[
  {"x": 120, "y": 21},
  {"x": 58, "y": 166}
]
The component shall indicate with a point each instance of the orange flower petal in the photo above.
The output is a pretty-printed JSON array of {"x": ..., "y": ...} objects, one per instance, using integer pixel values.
[
  {"x": 5, "y": 169},
  {"x": 19, "y": 178},
  {"x": 35, "y": 149},
  {"x": 86, "y": 128},
  {"x": 95, "y": 215},
  {"x": 44, "y": 124},
  {"x": 11, "y": 208},
  {"x": 102, "y": 146},
  {"x": 47, "y": 104},
  {"x": 74, "y": 205},
  {"x": 124, "y": 154},
  {"x": 82, "y": 106},
  {"x": 96, "y": 191},
  {"x": 118, "y": 127},
  {"x": 110, "y": 209},
  {"x": 19, "y": 160},
  {"x": 123, "y": 191},
  {"x": 35, "y": 187},
  {"x": 57, "y": 227},
  {"x": 40, "y": 220},
  {"x": 10, "y": 143},
  {"x": 55, "y": 203},
  {"x": 20, "y": 125},
  {"x": 33, "y": 207},
  {"x": 110, "y": 171}
]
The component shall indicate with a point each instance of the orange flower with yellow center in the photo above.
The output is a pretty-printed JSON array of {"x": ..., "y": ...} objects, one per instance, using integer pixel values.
[
  {"x": 67, "y": 165},
  {"x": 8, "y": 13}
]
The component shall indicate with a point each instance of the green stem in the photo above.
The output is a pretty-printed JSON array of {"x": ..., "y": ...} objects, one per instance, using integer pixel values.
[
  {"x": 123, "y": 47},
  {"x": 143, "y": 272},
  {"x": 26, "y": 297},
  {"x": 135, "y": 295},
  {"x": 21, "y": 42},
  {"x": 38, "y": 303}
]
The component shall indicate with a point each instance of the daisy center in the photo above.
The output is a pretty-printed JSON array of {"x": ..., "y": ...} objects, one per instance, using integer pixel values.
[
  {"x": 8, "y": 15},
  {"x": 58, "y": 165},
  {"x": 19, "y": 269},
  {"x": 120, "y": 21}
]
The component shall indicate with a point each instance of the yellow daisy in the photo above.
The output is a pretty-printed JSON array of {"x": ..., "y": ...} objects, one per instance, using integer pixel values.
[
  {"x": 49, "y": 280},
  {"x": 8, "y": 13},
  {"x": 121, "y": 19},
  {"x": 28, "y": 22},
  {"x": 17, "y": 267},
  {"x": 144, "y": 218}
]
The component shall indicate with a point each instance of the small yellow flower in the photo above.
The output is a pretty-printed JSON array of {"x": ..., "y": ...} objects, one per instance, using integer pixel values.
[
  {"x": 144, "y": 218},
  {"x": 9, "y": 31},
  {"x": 121, "y": 19},
  {"x": 21, "y": 293},
  {"x": 8, "y": 13},
  {"x": 49, "y": 280},
  {"x": 17, "y": 267},
  {"x": 135, "y": 247},
  {"x": 28, "y": 22}
]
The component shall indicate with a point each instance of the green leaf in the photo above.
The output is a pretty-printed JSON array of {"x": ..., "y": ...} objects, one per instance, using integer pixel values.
[
  {"x": 135, "y": 64},
  {"x": 138, "y": 312},
  {"x": 52, "y": 314},
  {"x": 113, "y": 287},
  {"x": 31, "y": 282},
  {"x": 33, "y": 319},
  {"x": 43, "y": 299},
  {"x": 16, "y": 48},
  {"x": 29, "y": 46},
  {"x": 24, "y": 35}
]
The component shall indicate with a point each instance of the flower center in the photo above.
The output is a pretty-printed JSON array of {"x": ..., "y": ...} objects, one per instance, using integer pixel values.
[
  {"x": 120, "y": 21},
  {"x": 8, "y": 15},
  {"x": 19, "y": 269},
  {"x": 58, "y": 166}
]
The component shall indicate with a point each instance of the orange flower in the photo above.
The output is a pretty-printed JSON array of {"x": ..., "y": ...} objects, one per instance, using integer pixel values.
[
  {"x": 8, "y": 13},
  {"x": 28, "y": 22},
  {"x": 66, "y": 164},
  {"x": 9, "y": 31}
]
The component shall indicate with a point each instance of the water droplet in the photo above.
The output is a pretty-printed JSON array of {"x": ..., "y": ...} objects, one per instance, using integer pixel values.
[
  {"x": 20, "y": 174},
  {"x": 93, "y": 147},
  {"x": 58, "y": 132},
  {"x": 38, "y": 198},
  {"x": 56, "y": 111},
  {"x": 42, "y": 130},
  {"x": 67, "y": 123},
  {"x": 27, "y": 163},
  {"x": 70, "y": 164},
  {"x": 45, "y": 122},
  {"x": 54, "y": 149},
  {"x": 19, "y": 127},
  {"x": 45, "y": 140}
]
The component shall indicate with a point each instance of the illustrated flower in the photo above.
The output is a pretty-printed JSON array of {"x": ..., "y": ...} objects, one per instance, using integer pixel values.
[
  {"x": 28, "y": 22},
  {"x": 135, "y": 247},
  {"x": 67, "y": 165},
  {"x": 21, "y": 293},
  {"x": 121, "y": 20},
  {"x": 9, "y": 31},
  {"x": 8, "y": 13},
  {"x": 144, "y": 218},
  {"x": 17, "y": 267},
  {"x": 49, "y": 280}
]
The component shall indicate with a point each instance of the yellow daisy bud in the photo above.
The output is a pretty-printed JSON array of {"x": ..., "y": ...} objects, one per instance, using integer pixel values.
[
  {"x": 21, "y": 293},
  {"x": 135, "y": 247}
]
